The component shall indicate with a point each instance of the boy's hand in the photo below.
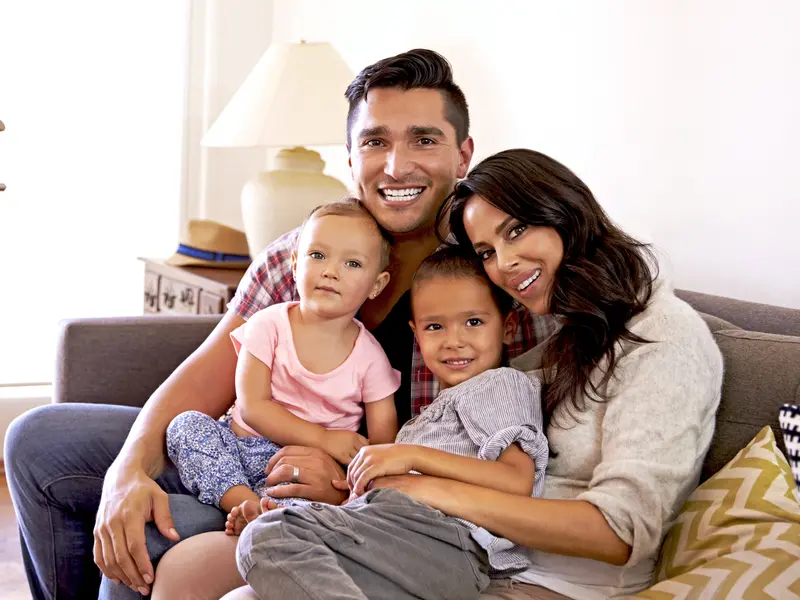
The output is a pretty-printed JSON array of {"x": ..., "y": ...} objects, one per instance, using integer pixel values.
[
  {"x": 372, "y": 462},
  {"x": 343, "y": 445}
]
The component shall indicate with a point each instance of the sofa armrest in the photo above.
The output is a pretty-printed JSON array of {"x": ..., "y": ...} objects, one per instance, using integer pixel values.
[{"x": 123, "y": 360}]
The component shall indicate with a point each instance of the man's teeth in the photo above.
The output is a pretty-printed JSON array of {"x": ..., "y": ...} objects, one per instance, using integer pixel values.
[
  {"x": 404, "y": 194},
  {"x": 524, "y": 285}
]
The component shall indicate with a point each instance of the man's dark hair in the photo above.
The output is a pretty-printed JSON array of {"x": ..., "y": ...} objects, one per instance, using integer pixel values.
[
  {"x": 412, "y": 70},
  {"x": 458, "y": 262}
]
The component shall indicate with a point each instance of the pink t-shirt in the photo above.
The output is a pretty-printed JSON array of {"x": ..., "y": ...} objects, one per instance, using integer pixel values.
[{"x": 334, "y": 399}]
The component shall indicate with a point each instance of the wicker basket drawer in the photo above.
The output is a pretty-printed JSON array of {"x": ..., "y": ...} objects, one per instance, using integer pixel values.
[
  {"x": 151, "y": 284},
  {"x": 177, "y": 297},
  {"x": 172, "y": 289},
  {"x": 211, "y": 304}
]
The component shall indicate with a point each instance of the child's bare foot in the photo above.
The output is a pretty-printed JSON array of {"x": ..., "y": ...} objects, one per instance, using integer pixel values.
[
  {"x": 268, "y": 504},
  {"x": 247, "y": 512},
  {"x": 240, "y": 516}
]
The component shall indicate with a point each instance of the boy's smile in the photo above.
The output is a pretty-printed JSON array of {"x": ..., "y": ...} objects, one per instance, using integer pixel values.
[{"x": 459, "y": 328}]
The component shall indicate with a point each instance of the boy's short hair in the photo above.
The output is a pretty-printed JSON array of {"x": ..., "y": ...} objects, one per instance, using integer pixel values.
[
  {"x": 455, "y": 262},
  {"x": 353, "y": 207}
]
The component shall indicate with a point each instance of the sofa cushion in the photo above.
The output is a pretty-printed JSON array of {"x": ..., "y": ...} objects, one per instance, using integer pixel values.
[
  {"x": 762, "y": 372},
  {"x": 738, "y": 534},
  {"x": 752, "y": 316},
  {"x": 716, "y": 324}
]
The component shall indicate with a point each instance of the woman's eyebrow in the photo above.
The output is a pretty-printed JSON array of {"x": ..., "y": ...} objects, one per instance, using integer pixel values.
[{"x": 499, "y": 229}]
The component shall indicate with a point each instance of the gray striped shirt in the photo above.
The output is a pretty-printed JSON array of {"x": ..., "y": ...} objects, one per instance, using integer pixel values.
[{"x": 480, "y": 418}]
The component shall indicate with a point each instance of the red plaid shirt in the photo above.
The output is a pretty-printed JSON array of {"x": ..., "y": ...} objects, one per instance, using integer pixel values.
[{"x": 269, "y": 281}]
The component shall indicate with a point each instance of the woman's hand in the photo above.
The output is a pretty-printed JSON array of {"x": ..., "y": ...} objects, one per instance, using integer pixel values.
[{"x": 372, "y": 462}]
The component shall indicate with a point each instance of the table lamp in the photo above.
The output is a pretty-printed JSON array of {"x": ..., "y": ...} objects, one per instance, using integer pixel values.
[{"x": 294, "y": 97}]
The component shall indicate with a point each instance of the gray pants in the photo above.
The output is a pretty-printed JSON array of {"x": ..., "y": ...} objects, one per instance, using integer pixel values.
[{"x": 383, "y": 546}]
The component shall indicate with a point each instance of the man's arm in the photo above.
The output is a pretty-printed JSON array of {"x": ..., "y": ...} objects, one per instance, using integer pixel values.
[
  {"x": 130, "y": 498},
  {"x": 203, "y": 382}
]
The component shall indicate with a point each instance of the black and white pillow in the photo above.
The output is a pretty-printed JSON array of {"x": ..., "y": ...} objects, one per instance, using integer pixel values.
[{"x": 789, "y": 419}]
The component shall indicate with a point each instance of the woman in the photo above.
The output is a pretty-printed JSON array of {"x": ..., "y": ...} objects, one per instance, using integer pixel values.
[
  {"x": 633, "y": 379},
  {"x": 632, "y": 383}
]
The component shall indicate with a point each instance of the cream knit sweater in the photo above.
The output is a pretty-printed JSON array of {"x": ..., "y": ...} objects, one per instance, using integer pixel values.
[{"x": 638, "y": 456}]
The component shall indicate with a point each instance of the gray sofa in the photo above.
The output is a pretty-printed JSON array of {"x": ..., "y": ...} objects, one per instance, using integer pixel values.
[{"x": 123, "y": 360}]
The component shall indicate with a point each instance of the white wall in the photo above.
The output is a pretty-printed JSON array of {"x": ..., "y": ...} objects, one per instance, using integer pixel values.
[
  {"x": 92, "y": 159},
  {"x": 734, "y": 222},
  {"x": 681, "y": 115},
  {"x": 226, "y": 41},
  {"x": 91, "y": 156}
]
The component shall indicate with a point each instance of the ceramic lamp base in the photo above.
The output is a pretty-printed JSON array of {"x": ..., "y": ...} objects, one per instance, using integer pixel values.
[{"x": 277, "y": 201}]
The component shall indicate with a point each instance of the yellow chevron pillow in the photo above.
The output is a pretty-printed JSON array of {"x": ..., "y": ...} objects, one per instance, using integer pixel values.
[{"x": 738, "y": 535}]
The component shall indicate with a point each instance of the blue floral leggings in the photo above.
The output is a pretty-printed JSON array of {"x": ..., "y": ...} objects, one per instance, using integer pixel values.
[{"x": 211, "y": 459}]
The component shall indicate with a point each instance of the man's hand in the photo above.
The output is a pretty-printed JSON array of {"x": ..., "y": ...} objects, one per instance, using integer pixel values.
[
  {"x": 317, "y": 473},
  {"x": 372, "y": 462},
  {"x": 130, "y": 499},
  {"x": 343, "y": 445}
]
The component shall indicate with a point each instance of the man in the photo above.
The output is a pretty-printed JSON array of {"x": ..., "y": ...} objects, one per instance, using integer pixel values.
[{"x": 408, "y": 143}]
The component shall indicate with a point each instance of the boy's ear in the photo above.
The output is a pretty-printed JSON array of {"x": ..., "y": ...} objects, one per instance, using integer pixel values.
[
  {"x": 380, "y": 283},
  {"x": 510, "y": 327}
]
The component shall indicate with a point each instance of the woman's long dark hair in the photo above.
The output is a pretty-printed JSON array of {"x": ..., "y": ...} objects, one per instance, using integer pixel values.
[{"x": 604, "y": 279}]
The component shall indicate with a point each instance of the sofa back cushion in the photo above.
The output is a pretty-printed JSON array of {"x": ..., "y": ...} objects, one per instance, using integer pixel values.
[
  {"x": 762, "y": 372},
  {"x": 752, "y": 316}
]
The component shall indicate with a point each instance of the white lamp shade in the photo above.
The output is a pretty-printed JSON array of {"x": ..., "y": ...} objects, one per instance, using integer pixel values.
[{"x": 293, "y": 97}]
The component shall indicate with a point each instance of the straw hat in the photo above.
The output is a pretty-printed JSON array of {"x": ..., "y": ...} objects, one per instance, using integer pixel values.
[{"x": 210, "y": 244}]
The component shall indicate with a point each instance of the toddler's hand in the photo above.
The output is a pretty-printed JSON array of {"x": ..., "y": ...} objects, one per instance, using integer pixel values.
[{"x": 343, "y": 445}]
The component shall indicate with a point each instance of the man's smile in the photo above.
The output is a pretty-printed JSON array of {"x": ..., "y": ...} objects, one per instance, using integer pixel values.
[{"x": 400, "y": 195}]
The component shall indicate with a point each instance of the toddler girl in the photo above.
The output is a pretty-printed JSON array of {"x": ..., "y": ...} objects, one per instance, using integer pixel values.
[{"x": 306, "y": 374}]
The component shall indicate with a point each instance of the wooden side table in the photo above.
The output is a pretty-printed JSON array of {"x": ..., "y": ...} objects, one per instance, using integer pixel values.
[{"x": 187, "y": 290}]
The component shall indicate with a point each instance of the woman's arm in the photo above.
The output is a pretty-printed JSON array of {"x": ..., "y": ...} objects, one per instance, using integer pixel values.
[
  {"x": 654, "y": 433},
  {"x": 381, "y": 420},
  {"x": 568, "y": 527}
]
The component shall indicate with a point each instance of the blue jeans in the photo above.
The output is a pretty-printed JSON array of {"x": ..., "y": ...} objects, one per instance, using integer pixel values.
[{"x": 55, "y": 458}]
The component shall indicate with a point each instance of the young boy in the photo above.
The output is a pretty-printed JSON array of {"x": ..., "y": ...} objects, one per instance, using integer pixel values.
[{"x": 484, "y": 428}]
